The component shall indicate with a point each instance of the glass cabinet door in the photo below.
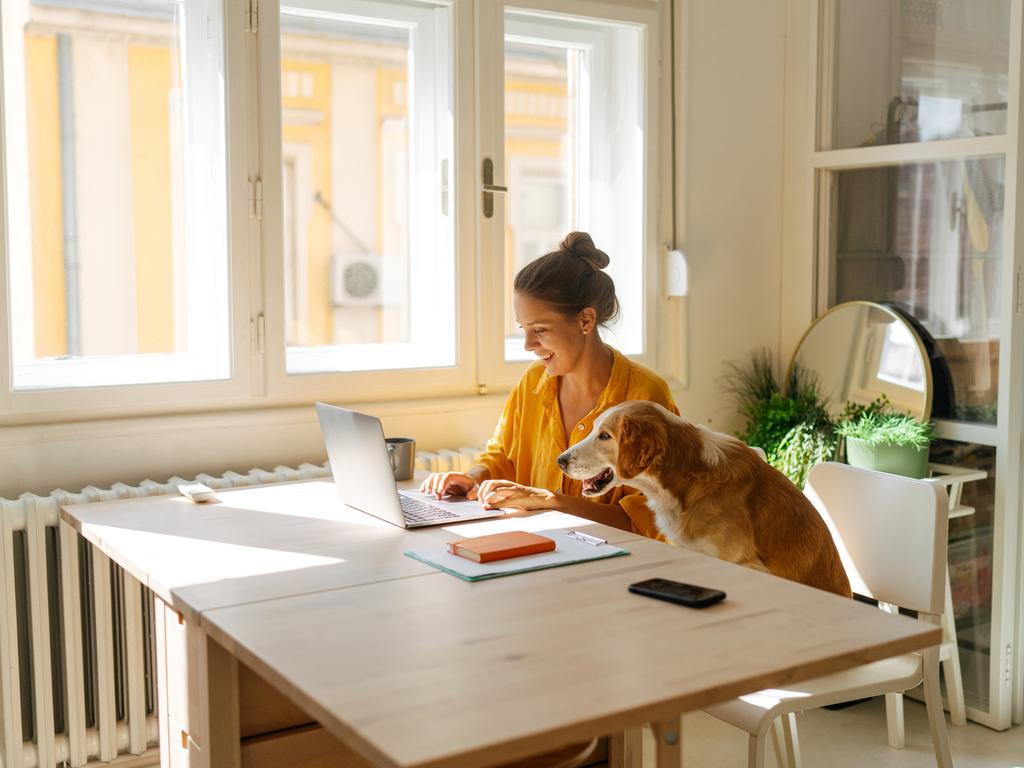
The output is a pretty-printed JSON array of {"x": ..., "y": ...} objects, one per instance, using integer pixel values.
[
  {"x": 915, "y": 209},
  {"x": 911, "y": 71},
  {"x": 928, "y": 239}
]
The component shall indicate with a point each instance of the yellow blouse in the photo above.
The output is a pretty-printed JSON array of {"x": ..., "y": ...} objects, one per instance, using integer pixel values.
[{"x": 530, "y": 436}]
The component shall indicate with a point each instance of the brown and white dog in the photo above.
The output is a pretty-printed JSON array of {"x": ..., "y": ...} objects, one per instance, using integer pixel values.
[{"x": 709, "y": 492}]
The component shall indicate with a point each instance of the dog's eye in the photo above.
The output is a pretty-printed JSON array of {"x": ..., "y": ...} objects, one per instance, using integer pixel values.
[{"x": 604, "y": 436}]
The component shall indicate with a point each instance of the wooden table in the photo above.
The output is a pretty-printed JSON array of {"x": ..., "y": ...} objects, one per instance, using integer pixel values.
[{"x": 281, "y": 607}]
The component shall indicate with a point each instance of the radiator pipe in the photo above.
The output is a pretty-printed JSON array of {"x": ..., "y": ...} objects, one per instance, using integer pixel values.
[{"x": 69, "y": 194}]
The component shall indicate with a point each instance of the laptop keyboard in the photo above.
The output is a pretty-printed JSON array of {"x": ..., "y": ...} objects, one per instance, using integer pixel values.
[{"x": 416, "y": 511}]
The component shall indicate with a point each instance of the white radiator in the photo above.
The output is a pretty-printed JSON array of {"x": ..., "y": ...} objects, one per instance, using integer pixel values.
[
  {"x": 447, "y": 459},
  {"x": 77, "y": 677}
]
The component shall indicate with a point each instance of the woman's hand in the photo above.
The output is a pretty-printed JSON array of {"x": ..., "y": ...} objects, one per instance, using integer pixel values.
[
  {"x": 505, "y": 493},
  {"x": 440, "y": 484}
]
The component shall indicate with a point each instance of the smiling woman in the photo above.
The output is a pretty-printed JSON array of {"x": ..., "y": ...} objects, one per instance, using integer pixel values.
[{"x": 561, "y": 301}]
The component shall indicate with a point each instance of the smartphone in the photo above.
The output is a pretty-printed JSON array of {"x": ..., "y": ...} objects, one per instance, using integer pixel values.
[{"x": 677, "y": 592}]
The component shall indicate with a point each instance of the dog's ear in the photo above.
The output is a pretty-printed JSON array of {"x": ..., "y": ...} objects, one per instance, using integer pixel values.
[{"x": 641, "y": 439}]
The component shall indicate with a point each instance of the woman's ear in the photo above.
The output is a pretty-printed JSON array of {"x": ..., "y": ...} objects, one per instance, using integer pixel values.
[{"x": 587, "y": 319}]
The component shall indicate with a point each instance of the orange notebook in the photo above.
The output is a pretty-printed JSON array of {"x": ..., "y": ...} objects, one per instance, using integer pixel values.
[{"x": 501, "y": 546}]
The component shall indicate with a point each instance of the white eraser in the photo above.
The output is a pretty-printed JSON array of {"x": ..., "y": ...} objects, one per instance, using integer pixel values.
[{"x": 676, "y": 274}]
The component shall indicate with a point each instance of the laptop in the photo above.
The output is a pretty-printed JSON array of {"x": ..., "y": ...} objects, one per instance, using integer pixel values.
[{"x": 363, "y": 476}]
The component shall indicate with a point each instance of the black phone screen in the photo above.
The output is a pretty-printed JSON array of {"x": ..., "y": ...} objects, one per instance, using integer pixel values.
[{"x": 677, "y": 592}]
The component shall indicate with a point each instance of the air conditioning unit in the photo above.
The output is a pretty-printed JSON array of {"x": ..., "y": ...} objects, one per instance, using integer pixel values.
[{"x": 356, "y": 280}]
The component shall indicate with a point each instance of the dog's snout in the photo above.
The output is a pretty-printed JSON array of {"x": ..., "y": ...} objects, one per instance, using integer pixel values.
[{"x": 563, "y": 460}]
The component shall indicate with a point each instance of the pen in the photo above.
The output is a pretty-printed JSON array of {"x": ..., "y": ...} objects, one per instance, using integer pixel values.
[{"x": 592, "y": 540}]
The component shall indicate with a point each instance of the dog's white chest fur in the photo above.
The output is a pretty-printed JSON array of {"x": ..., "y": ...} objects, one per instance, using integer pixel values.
[{"x": 668, "y": 514}]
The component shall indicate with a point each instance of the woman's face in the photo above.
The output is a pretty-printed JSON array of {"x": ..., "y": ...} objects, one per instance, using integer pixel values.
[{"x": 554, "y": 338}]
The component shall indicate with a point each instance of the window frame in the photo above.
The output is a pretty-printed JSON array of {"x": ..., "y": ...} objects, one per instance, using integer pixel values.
[
  {"x": 360, "y": 384},
  {"x": 252, "y": 124},
  {"x": 137, "y": 396},
  {"x": 494, "y": 371}
]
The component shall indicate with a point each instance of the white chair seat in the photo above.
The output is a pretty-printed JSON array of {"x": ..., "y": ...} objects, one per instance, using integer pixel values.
[{"x": 755, "y": 712}]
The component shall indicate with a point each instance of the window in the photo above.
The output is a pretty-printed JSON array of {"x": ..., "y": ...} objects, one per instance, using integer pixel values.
[
  {"x": 272, "y": 203},
  {"x": 574, "y": 151},
  {"x": 366, "y": 142},
  {"x": 115, "y": 182}
]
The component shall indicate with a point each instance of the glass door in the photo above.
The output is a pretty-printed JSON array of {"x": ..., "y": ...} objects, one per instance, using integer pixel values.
[{"x": 916, "y": 171}]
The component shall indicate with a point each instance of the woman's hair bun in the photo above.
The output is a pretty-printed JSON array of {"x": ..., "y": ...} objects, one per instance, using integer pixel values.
[
  {"x": 571, "y": 279},
  {"x": 581, "y": 245}
]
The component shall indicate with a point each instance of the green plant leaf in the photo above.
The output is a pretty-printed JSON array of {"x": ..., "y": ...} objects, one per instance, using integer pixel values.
[{"x": 878, "y": 428}]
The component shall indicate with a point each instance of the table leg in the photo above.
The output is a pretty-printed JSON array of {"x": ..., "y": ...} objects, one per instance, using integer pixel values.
[
  {"x": 626, "y": 749},
  {"x": 223, "y": 714},
  {"x": 951, "y": 664},
  {"x": 668, "y": 737},
  {"x": 198, "y": 696}
]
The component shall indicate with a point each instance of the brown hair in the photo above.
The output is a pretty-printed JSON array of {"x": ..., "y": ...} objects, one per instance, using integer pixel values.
[{"x": 571, "y": 279}]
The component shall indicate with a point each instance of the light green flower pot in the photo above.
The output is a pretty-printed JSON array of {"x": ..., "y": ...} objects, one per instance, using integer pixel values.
[{"x": 905, "y": 460}]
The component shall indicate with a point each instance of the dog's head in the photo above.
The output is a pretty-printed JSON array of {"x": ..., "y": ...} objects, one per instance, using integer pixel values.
[{"x": 625, "y": 442}]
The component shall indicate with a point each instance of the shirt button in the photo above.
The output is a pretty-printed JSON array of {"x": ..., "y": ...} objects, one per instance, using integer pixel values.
[{"x": 580, "y": 427}]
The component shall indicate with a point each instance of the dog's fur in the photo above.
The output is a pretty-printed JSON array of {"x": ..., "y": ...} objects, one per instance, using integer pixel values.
[{"x": 709, "y": 492}]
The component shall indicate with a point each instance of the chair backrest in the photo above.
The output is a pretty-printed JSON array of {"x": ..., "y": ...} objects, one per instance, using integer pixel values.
[{"x": 891, "y": 533}]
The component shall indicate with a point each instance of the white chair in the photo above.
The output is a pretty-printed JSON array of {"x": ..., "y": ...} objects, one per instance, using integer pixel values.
[{"x": 891, "y": 534}]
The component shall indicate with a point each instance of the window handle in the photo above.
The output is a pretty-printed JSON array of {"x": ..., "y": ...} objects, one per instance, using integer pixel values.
[{"x": 489, "y": 188}]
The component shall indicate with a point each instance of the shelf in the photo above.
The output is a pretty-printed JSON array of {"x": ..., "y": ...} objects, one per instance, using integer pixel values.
[
  {"x": 946, "y": 474},
  {"x": 961, "y": 510}
]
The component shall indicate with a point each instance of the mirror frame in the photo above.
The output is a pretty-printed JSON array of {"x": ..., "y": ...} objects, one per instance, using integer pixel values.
[{"x": 926, "y": 361}]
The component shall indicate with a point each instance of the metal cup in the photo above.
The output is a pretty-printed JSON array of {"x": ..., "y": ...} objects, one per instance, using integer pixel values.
[{"x": 402, "y": 452}]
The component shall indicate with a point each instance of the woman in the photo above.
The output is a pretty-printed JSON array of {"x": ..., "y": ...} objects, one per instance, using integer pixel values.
[{"x": 560, "y": 301}]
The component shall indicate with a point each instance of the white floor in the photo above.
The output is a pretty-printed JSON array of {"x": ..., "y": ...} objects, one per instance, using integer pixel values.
[{"x": 855, "y": 737}]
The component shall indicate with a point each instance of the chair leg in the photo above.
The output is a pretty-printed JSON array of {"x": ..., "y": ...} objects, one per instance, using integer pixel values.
[
  {"x": 936, "y": 715},
  {"x": 951, "y": 666},
  {"x": 894, "y": 720},
  {"x": 792, "y": 740},
  {"x": 756, "y": 751},
  {"x": 778, "y": 741}
]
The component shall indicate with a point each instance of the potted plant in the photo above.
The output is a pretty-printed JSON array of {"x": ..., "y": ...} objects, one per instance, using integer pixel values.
[
  {"x": 888, "y": 442},
  {"x": 790, "y": 423}
]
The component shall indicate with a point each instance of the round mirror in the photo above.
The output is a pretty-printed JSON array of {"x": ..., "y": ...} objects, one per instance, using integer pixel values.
[{"x": 860, "y": 351}]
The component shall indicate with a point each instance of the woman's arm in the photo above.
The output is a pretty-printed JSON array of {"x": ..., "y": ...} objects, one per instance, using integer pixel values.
[{"x": 505, "y": 493}]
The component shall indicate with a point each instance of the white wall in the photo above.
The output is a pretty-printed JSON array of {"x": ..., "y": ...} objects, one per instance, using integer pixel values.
[
  {"x": 733, "y": 66},
  {"x": 38, "y": 459}
]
